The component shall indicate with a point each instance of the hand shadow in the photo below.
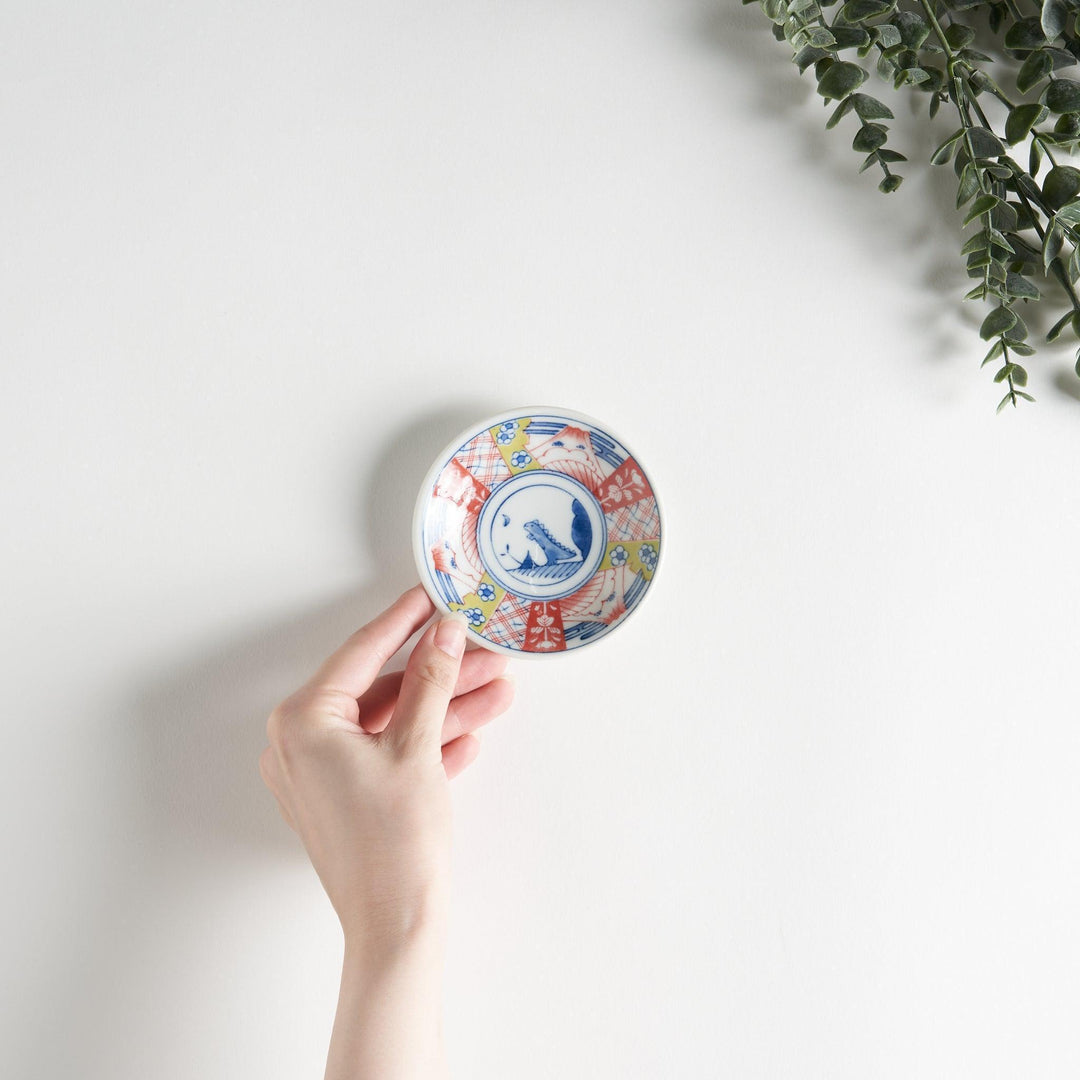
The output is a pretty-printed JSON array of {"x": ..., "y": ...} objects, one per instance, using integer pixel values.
[{"x": 194, "y": 821}]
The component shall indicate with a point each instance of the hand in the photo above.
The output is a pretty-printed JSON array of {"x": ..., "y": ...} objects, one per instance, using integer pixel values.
[{"x": 360, "y": 767}]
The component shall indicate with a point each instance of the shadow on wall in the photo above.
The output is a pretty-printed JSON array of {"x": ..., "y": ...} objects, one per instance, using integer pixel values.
[
  {"x": 918, "y": 233},
  {"x": 201, "y": 729},
  {"x": 915, "y": 231},
  {"x": 195, "y": 814}
]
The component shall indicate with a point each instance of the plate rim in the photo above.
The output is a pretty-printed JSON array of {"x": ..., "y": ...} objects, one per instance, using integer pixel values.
[{"x": 440, "y": 462}]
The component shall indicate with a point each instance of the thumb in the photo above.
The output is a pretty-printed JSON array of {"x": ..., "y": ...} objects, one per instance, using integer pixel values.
[{"x": 426, "y": 688}]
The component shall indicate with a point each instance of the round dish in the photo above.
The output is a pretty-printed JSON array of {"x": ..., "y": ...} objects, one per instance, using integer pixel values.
[{"x": 541, "y": 528}]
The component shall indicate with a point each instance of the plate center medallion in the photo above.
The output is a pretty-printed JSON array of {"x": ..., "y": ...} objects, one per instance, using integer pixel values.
[{"x": 541, "y": 535}]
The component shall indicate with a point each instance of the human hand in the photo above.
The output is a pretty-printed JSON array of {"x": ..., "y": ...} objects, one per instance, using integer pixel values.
[{"x": 360, "y": 766}]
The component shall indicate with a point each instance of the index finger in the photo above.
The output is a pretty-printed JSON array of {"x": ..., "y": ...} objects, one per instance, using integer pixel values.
[{"x": 352, "y": 668}]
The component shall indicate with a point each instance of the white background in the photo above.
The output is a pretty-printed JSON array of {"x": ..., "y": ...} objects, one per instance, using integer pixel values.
[{"x": 811, "y": 813}]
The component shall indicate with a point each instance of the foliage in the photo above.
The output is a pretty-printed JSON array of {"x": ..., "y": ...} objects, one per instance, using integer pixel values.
[{"x": 1025, "y": 222}]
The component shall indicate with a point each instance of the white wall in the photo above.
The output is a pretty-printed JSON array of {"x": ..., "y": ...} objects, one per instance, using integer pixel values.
[{"x": 811, "y": 814}]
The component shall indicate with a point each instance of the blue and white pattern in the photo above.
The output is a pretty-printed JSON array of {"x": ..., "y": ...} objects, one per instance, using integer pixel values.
[
  {"x": 541, "y": 535},
  {"x": 519, "y": 516}
]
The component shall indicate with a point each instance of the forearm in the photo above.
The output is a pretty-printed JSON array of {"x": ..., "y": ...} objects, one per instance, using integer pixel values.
[{"x": 389, "y": 1017}]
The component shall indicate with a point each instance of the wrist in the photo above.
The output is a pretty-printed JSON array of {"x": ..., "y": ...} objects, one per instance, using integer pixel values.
[{"x": 383, "y": 932}]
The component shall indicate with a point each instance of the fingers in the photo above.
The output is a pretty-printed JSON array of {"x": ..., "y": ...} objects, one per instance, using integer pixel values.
[
  {"x": 426, "y": 688},
  {"x": 478, "y": 667},
  {"x": 353, "y": 667},
  {"x": 474, "y": 710},
  {"x": 460, "y": 753}
]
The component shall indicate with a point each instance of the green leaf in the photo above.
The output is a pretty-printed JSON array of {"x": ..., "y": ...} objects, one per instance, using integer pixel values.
[
  {"x": 1077, "y": 367},
  {"x": 1026, "y": 397},
  {"x": 869, "y": 108},
  {"x": 1069, "y": 214},
  {"x": 1016, "y": 334},
  {"x": 979, "y": 241},
  {"x": 885, "y": 154},
  {"x": 946, "y": 150},
  {"x": 820, "y": 37},
  {"x": 911, "y": 75},
  {"x": 1005, "y": 401},
  {"x": 890, "y": 183},
  {"x": 996, "y": 350},
  {"x": 1003, "y": 373},
  {"x": 1021, "y": 348},
  {"x": 869, "y": 137},
  {"x": 808, "y": 56},
  {"x": 1020, "y": 287},
  {"x": 1019, "y": 375},
  {"x": 851, "y": 37},
  {"x": 1051, "y": 245},
  {"x": 997, "y": 322},
  {"x": 887, "y": 35},
  {"x": 1025, "y": 34},
  {"x": 1073, "y": 268},
  {"x": 1063, "y": 96},
  {"x": 914, "y": 30},
  {"x": 984, "y": 143},
  {"x": 1033, "y": 70},
  {"x": 1056, "y": 330},
  {"x": 1035, "y": 156},
  {"x": 983, "y": 204},
  {"x": 1062, "y": 184},
  {"x": 1000, "y": 247},
  {"x": 841, "y": 79},
  {"x": 959, "y": 36},
  {"x": 859, "y": 10},
  {"x": 839, "y": 112},
  {"x": 1004, "y": 218},
  {"x": 969, "y": 184},
  {"x": 1054, "y": 16},
  {"x": 1021, "y": 120}
]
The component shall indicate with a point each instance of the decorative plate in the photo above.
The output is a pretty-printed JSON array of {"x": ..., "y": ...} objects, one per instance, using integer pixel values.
[{"x": 540, "y": 527}]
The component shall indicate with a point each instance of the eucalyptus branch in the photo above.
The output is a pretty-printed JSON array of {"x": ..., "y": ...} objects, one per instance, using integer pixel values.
[{"x": 1024, "y": 226}]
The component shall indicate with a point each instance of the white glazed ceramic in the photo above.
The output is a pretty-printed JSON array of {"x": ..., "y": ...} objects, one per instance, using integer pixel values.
[{"x": 541, "y": 527}]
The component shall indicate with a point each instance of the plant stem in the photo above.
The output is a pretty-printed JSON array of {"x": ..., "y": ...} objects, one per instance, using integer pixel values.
[{"x": 961, "y": 101}]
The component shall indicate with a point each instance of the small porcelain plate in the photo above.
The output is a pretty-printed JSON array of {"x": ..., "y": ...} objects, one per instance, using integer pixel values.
[{"x": 541, "y": 527}]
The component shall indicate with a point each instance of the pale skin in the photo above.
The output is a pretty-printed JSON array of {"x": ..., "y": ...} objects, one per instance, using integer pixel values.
[{"x": 360, "y": 765}]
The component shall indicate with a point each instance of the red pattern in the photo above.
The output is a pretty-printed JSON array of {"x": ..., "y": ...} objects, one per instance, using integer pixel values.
[
  {"x": 639, "y": 521},
  {"x": 508, "y": 622},
  {"x": 545, "y": 631},
  {"x": 626, "y": 485},
  {"x": 482, "y": 458}
]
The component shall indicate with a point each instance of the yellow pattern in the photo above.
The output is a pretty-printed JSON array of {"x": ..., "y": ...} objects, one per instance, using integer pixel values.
[
  {"x": 517, "y": 443},
  {"x": 633, "y": 556},
  {"x": 487, "y": 607}
]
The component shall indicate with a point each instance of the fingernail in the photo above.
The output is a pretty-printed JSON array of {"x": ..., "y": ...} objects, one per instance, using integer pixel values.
[{"x": 450, "y": 636}]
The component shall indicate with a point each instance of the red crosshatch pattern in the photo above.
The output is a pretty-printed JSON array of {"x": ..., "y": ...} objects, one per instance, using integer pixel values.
[
  {"x": 545, "y": 632},
  {"x": 481, "y": 457},
  {"x": 508, "y": 622},
  {"x": 626, "y": 485},
  {"x": 639, "y": 521}
]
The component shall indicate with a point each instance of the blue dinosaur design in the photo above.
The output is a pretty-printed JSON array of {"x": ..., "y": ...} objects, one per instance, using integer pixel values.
[{"x": 553, "y": 551}]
